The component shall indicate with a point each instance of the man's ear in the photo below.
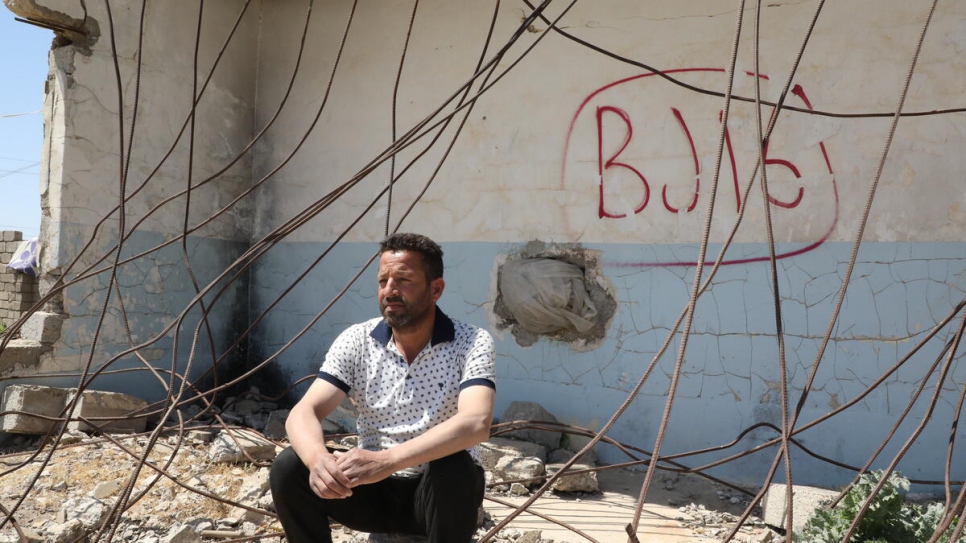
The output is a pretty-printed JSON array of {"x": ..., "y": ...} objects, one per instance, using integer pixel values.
[{"x": 436, "y": 288}]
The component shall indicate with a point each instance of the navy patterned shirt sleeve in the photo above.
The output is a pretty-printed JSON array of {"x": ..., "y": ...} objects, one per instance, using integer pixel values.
[
  {"x": 479, "y": 365},
  {"x": 341, "y": 361}
]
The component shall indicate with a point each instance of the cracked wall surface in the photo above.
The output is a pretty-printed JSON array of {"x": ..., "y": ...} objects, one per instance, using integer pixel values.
[
  {"x": 104, "y": 135},
  {"x": 569, "y": 147},
  {"x": 730, "y": 378},
  {"x": 574, "y": 147}
]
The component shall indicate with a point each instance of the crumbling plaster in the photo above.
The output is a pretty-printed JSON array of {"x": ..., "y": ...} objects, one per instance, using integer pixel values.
[
  {"x": 540, "y": 161},
  {"x": 730, "y": 378},
  {"x": 527, "y": 168},
  {"x": 89, "y": 143}
]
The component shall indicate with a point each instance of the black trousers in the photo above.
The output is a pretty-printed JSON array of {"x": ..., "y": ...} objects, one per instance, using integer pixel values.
[{"x": 441, "y": 504}]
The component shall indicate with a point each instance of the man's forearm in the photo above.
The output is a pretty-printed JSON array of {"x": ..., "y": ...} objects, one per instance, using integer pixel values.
[
  {"x": 304, "y": 423},
  {"x": 305, "y": 435},
  {"x": 456, "y": 434},
  {"x": 469, "y": 427}
]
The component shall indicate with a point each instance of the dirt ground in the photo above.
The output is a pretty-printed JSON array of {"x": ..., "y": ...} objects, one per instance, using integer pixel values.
[
  {"x": 679, "y": 508},
  {"x": 36, "y": 486}
]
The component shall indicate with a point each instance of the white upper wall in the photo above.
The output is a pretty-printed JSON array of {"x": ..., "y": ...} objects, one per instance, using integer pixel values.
[
  {"x": 112, "y": 77},
  {"x": 528, "y": 160},
  {"x": 605, "y": 150},
  {"x": 86, "y": 133}
]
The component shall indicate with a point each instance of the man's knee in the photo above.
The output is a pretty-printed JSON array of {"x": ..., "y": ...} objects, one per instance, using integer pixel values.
[
  {"x": 460, "y": 461},
  {"x": 287, "y": 469},
  {"x": 458, "y": 466},
  {"x": 449, "y": 497},
  {"x": 457, "y": 475}
]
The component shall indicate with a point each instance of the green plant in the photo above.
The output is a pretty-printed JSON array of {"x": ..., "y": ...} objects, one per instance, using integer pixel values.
[
  {"x": 889, "y": 519},
  {"x": 3, "y": 328}
]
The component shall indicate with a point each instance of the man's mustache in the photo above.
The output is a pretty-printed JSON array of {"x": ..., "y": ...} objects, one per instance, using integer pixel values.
[{"x": 393, "y": 300}]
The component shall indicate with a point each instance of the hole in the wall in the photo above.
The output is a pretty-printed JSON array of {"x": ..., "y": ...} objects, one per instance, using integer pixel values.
[{"x": 554, "y": 291}]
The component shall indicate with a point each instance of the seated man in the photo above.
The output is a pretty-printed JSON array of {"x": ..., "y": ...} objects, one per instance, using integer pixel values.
[{"x": 424, "y": 387}]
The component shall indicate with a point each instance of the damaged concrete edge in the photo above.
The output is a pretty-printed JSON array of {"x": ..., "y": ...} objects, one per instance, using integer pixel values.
[
  {"x": 79, "y": 29},
  {"x": 36, "y": 409},
  {"x": 600, "y": 290},
  {"x": 32, "y": 348}
]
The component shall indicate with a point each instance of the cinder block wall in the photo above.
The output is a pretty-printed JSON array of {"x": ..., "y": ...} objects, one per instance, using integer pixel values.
[{"x": 18, "y": 291}]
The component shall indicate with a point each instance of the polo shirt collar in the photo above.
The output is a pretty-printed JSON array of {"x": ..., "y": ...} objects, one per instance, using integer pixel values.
[{"x": 443, "y": 330}]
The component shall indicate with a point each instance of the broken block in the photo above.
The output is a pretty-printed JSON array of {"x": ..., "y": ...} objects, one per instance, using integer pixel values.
[
  {"x": 27, "y": 400},
  {"x": 42, "y": 327},
  {"x": 492, "y": 450},
  {"x": 580, "y": 482},
  {"x": 97, "y": 406},
  {"x": 225, "y": 449},
  {"x": 275, "y": 427},
  {"x": 20, "y": 354}
]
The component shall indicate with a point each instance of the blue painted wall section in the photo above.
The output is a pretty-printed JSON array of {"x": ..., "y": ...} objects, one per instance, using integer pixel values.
[
  {"x": 155, "y": 290},
  {"x": 730, "y": 377}
]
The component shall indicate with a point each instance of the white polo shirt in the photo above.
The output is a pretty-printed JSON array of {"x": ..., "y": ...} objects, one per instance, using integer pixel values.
[{"x": 398, "y": 401}]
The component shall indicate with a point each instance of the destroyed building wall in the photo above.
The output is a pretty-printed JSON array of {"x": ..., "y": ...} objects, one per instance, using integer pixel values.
[
  {"x": 570, "y": 154},
  {"x": 99, "y": 145},
  {"x": 575, "y": 151}
]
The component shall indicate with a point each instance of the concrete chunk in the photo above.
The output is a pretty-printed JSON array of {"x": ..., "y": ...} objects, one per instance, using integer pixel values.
[
  {"x": 535, "y": 413},
  {"x": 34, "y": 399},
  {"x": 581, "y": 482},
  {"x": 511, "y": 468},
  {"x": 226, "y": 449},
  {"x": 492, "y": 450},
  {"x": 89, "y": 511},
  {"x": 42, "y": 327},
  {"x": 275, "y": 426},
  {"x": 19, "y": 354},
  {"x": 97, "y": 405},
  {"x": 805, "y": 500},
  {"x": 72, "y": 530},
  {"x": 181, "y": 533}
]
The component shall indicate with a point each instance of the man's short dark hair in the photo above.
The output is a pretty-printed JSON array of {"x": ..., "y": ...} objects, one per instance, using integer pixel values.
[{"x": 417, "y": 243}]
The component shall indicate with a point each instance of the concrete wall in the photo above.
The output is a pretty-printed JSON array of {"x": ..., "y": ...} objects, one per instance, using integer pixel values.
[
  {"x": 568, "y": 151},
  {"x": 572, "y": 149},
  {"x": 128, "y": 127}
]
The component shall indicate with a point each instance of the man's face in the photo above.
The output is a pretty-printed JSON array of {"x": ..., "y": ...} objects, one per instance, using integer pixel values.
[{"x": 406, "y": 298}]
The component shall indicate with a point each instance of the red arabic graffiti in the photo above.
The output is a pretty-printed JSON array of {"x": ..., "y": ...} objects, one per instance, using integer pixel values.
[{"x": 621, "y": 162}]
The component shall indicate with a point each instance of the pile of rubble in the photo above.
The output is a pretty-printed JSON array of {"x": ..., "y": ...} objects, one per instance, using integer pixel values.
[
  {"x": 518, "y": 462},
  {"x": 209, "y": 482},
  {"x": 84, "y": 478},
  {"x": 717, "y": 524}
]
